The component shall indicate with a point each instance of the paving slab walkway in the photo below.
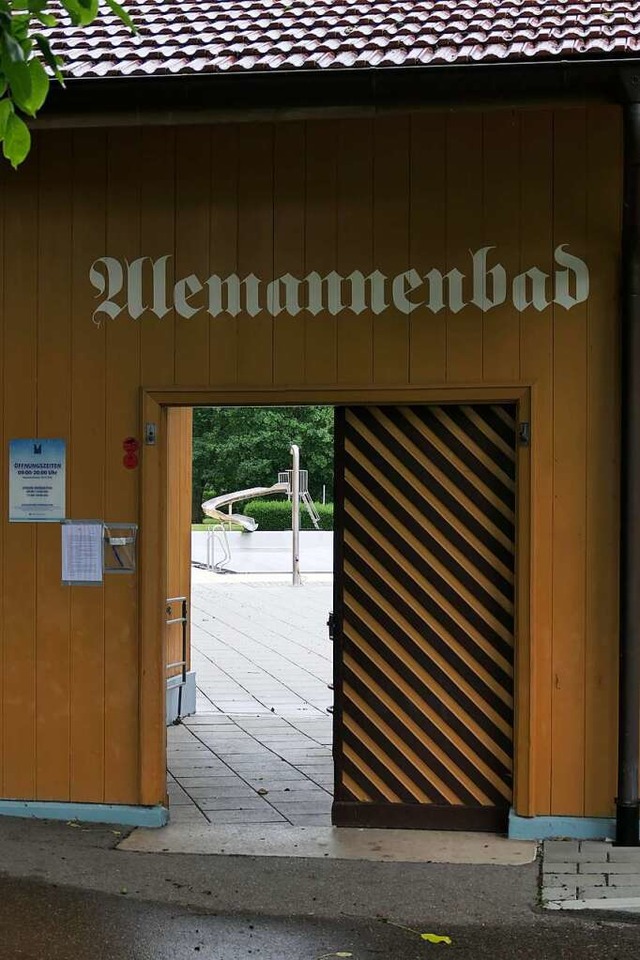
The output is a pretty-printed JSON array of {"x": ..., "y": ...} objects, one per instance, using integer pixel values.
[
  {"x": 258, "y": 749},
  {"x": 590, "y": 875}
]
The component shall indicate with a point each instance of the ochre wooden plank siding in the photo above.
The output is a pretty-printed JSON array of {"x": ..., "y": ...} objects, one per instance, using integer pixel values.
[
  {"x": 382, "y": 192},
  {"x": 178, "y": 518},
  {"x": 391, "y": 242},
  {"x": 604, "y": 159},
  {"x": 255, "y": 248},
  {"x": 502, "y": 180},
  {"x": 428, "y": 224},
  {"x": 157, "y": 227},
  {"x": 288, "y": 245},
  {"x": 355, "y": 244},
  {"x": 224, "y": 249},
  {"x": 536, "y": 367},
  {"x": 53, "y": 420},
  {"x": 464, "y": 233},
  {"x": 193, "y": 188},
  {"x": 121, "y": 492},
  {"x": 20, "y": 419},
  {"x": 87, "y": 463},
  {"x": 321, "y": 235},
  {"x": 569, "y": 487},
  {"x": 4, "y": 485}
]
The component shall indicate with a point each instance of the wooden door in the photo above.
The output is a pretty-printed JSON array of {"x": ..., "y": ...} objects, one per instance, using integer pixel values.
[{"x": 425, "y": 548}]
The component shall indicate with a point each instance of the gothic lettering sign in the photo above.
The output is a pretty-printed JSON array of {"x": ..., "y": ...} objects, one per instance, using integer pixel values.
[{"x": 141, "y": 285}]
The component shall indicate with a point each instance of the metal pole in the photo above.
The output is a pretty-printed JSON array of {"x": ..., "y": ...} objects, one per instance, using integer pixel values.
[
  {"x": 628, "y": 800},
  {"x": 295, "y": 512}
]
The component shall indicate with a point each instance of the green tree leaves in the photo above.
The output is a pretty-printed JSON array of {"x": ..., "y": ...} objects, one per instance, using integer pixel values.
[
  {"x": 17, "y": 140},
  {"x": 24, "y": 81},
  {"x": 120, "y": 12},
  {"x": 6, "y": 109},
  {"x": 28, "y": 85},
  {"x": 235, "y": 448},
  {"x": 39, "y": 87}
]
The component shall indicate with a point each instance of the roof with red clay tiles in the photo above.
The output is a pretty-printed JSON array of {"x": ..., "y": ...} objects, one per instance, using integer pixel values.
[{"x": 219, "y": 36}]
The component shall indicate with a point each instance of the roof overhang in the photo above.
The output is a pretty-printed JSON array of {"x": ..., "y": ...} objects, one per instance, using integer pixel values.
[{"x": 194, "y": 98}]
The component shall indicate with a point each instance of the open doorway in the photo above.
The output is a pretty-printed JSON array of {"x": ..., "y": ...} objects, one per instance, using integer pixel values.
[
  {"x": 250, "y": 671},
  {"x": 432, "y": 498}
]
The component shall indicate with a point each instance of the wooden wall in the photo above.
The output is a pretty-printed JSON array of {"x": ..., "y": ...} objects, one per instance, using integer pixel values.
[
  {"x": 415, "y": 190},
  {"x": 178, "y": 516}
]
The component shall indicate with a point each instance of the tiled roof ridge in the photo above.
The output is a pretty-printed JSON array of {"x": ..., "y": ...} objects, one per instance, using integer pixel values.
[{"x": 221, "y": 36}]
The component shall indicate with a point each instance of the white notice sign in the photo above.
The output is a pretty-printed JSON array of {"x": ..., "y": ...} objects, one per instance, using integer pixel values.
[
  {"x": 37, "y": 480},
  {"x": 82, "y": 551}
]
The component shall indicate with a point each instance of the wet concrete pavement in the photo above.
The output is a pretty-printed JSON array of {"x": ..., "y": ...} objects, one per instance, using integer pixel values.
[
  {"x": 67, "y": 893},
  {"x": 40, "y": 922}
]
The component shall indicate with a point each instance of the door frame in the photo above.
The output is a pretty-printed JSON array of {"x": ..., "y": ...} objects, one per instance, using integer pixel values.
[{"x": 152, "y": 567}]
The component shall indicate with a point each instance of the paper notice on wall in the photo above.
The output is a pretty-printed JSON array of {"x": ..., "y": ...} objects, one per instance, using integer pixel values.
[
  {"x": 82, "y": 551},
  {"x": 37, "y": 480}
]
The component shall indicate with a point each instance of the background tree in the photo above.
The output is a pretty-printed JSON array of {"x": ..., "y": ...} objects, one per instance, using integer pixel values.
[
  {"x": 239, "y": 447},
  {"x": 24, "y": 46}
]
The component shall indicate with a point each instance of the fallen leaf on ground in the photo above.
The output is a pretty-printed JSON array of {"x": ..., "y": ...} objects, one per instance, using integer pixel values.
[
  {"x": 429, "y": 937},
  {"x": 341, "y": 953}
]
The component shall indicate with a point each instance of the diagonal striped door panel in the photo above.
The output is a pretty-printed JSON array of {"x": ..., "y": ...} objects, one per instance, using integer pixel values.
[{"x": 425, "y": 604}]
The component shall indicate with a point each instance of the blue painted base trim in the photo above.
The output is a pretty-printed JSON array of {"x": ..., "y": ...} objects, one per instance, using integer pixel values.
[
  {"x": 86, "y": 812},
  {"x": 554, "y": 828}
]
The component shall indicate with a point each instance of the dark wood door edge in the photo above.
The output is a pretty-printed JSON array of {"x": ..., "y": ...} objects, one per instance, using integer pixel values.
[{"x": 416, "y": 816}]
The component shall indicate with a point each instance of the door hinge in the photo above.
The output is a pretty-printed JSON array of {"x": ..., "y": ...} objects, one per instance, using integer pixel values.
[{"x": 524, "y": 434}]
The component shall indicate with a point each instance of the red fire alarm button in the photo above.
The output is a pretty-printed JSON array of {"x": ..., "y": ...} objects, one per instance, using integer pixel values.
[
  {"x": 130, "y": 444},
  {"x": 130, "y": 460}
]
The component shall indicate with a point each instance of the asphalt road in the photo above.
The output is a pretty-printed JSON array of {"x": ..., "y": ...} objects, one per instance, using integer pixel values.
[
  {"x": 43, "y": 922},
  {"x": 67, "y": 893}
]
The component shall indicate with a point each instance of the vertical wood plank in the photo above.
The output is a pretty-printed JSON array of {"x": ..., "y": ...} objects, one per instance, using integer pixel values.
[
  {"x": 355, "y": 244},
  {"x": 464, "y": 233},
  {"x": 178, "y": 513},
  {"x": 184, "y": 499},
  {"x": 53, "y": 420},
  {"x": 153, "y": 593},
  {"x": 288, "y": 252},
  {"x": 193, "y": 178},
  {"x": 501, "y": 203},
  {"x": 604, "y": 151},
  {"x": 391, "y": 243},
  {"x": 158, "y": 222},
  {"x": 4, "y": 465},
  {"x": 321, "y": 225},
  {"x": 87, "y": 463},
  {"x": 428, "y": 331},
  {"x": 121, "y": 503},
  {"x": 19, "y": 404},
  {"x": 569, "y": 493},
  {"x": 223, "y": 331},
  {"x": 255, "y": 249},
  {"x": 536, "y": 361}
]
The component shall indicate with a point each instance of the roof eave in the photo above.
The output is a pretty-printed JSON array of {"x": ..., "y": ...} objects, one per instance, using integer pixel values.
[{"x": 197, "y": 96}]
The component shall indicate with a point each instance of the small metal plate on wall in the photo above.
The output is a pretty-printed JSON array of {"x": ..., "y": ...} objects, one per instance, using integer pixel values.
[{"x": 150, "y": 434}]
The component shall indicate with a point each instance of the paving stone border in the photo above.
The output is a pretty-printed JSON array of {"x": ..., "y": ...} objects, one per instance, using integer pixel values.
[{"x": 589, "y": 870}]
